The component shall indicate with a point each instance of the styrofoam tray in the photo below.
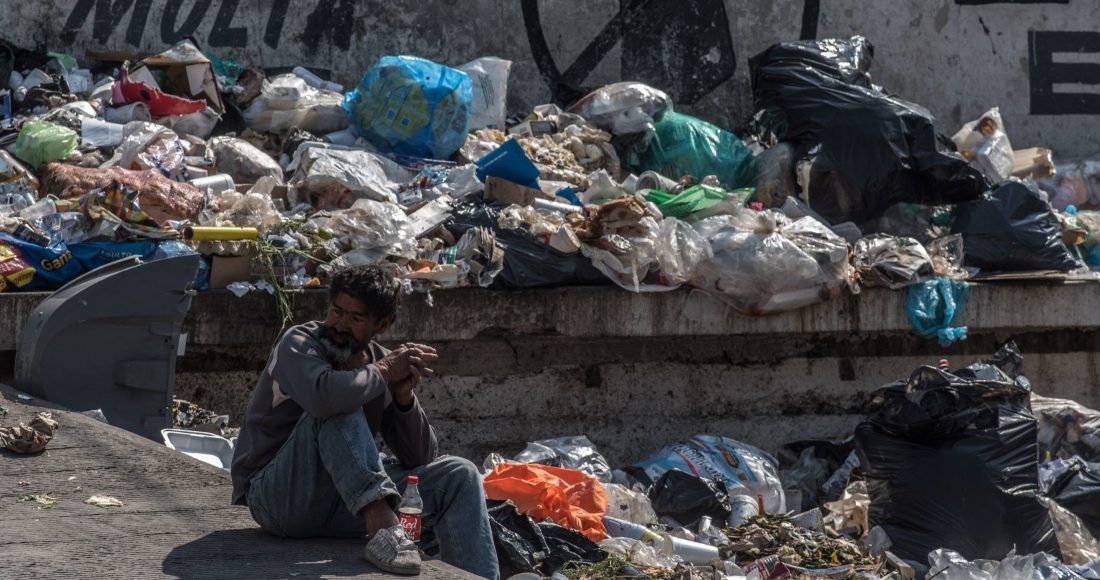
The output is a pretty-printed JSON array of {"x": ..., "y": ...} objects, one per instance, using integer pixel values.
[{"x": 205, "y": 447}]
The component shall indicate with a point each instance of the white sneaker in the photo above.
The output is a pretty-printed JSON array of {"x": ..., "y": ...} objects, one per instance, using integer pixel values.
[{"x": 390, "y": 550}]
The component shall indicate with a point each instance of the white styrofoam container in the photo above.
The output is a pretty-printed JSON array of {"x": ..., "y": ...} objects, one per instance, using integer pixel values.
[{"x": 205, "y": 447}]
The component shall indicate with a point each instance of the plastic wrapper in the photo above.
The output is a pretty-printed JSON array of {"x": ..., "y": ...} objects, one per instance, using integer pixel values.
[
  {"x": 115, "y": 213},
  {"x": 1067, "y": 429},
  {"x": 244, "y": 162},
  {"x": 1012, "y": 229},
  {"x": 680, "y": 250},
  {"x": 623, "y": 108},
  {"x": 489, "y": 76},
  {"x": 537, "y": 222},
  {"x": 50, "y": 267},
  {"x": 686, "y": 498},
  {"x": 524, "y": 546},
  {"x": 575, "y": 452},
  {"x": 160, "y": 198},
  {"x": 948, "y": 256},
  {"x": 286, "y": 101},
  {"x": 684, "y": 145},
  {"x": 947, "y": 455},
  {"x": 891, "y": 262},
  {"x": 528, "y": 263},
  {"x": 628, "y": 505},
  {"x": 412, "y": 106},
  {"x": 627, "y": 261},
  {"x": 40, "y": 142},
  {"x": 335, "y": 179},
  {"x": 774, "y": 179},
  {"x": 764, "y": 263},
  {"x": 985, "y": 144},
  {"x": 737, "y": 466},
  {"x": 863, "y": 149},
  {"x": 149, "y": 146},
  {"x": 1078, "y": 543}
]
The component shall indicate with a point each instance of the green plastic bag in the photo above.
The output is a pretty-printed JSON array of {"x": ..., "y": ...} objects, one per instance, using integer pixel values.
[
  {"x": 684, "y": 145},
  {"x": 698, "y": 198},
  {"x": 41, "y": 142}
]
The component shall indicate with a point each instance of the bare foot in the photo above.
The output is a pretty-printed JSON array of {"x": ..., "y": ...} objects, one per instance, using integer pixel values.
[{"x": 379, "y": 516}]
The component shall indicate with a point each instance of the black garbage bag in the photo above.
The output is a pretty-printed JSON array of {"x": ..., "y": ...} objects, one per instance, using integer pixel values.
[
  {"x": 528, "y": 263},
  {"x": 868, "y": 150},
  {"x": 1012, "y": 229},
  {"x": 524, "y": 546},
  {"x": 951, "y": 461},
  {"x": 1078, "y": 490},
  {"x": 687, "y": 498}
]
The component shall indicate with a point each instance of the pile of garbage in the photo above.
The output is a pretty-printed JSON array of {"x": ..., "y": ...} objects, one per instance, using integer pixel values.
[
  {"x": 921, "y": 490},
  {"x": 277, "y": 180}
]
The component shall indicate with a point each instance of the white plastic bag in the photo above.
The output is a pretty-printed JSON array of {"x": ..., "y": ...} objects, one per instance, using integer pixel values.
[
  {"x": 334, "y": 179},
  {"x": 287, "y": 101},
  {"x": 244, "y": 161},
  {"x": 376, "y": 227},
  {"x": 490, "y": 77}
]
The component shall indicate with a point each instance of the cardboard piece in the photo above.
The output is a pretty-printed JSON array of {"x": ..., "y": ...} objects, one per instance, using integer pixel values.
[
  {"x": 225, "y": 270},
  {"x": 1035, "y": 162},
  {"x": 510, "y": 193},
  {"x": 189, "y": 74}
]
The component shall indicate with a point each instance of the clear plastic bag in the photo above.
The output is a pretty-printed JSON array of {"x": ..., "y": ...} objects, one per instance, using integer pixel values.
[
  {"x": 623, "y": 108},
  {"x": 764, "y": 263},
  {"x": 985, "y": 145},
  {"x": 680, "y": 250},
  {"x": 775, "y": 180},
  {"x": 244, "y": 162},
  {"x": 628, "y": 505},
  {"x": 1067, "y": 429},
  {"x": 286, "y": 101},
  {"x": 334, "y": 179},
  {"x": 370, "y": 225}
]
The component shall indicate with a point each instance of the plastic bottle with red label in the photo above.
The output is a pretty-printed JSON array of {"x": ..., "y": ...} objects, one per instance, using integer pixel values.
[{"x": 411, "y": 508}]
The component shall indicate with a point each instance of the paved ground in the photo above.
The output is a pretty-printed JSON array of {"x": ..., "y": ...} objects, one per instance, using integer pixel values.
[{"x": 177, "y": 521}]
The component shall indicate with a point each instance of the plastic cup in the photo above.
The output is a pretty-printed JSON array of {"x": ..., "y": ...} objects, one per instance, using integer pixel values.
[
  {"x": 742, "y": 508},
  {"x": 690, "y": 552}
]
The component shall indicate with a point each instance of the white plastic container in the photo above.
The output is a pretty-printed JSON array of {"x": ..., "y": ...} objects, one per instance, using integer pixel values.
[
  {"x": 205, "y": 447},
  {"x": 316, "y": 81}
]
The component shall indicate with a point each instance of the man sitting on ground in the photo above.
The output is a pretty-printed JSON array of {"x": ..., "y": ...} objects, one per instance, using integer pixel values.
[{"x": 306, "y": 463}]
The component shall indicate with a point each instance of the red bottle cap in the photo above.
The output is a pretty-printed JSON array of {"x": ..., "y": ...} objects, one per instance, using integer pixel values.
[{"x": 413, "y": 480}]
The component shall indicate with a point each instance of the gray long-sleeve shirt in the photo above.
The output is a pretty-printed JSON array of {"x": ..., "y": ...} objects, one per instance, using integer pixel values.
[{"x": 298, "y": 379}]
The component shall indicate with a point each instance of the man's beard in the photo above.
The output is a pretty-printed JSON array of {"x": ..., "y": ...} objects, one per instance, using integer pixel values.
[{"x": 336, "y": 352}]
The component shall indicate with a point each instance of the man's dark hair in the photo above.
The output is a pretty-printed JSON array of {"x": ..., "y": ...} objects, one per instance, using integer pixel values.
[{"x": 374, "y": 286}]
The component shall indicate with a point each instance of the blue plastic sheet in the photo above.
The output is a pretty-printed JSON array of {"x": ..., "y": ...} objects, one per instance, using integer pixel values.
[
  {"x": 934, "y": 306},
  {"x": 412, "y": 106},
  {"x": 511, "y": 163}
]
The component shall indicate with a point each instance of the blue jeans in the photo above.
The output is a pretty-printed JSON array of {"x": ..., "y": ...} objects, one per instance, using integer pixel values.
[{"x": 330, "y": 469}]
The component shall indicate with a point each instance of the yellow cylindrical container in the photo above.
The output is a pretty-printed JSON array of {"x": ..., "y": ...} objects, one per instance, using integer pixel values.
[{"x": 211, "y": 234}]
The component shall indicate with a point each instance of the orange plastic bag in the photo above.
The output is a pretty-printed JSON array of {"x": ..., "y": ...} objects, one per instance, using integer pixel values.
[{"x": 569, "y": 498}]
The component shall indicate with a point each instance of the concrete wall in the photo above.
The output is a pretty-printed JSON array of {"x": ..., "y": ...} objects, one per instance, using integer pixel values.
[
  {"x": 1039, "y": 60},
  {"x": 634, "y": 373}
]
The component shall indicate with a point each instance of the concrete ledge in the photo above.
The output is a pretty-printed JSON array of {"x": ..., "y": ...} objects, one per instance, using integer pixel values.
[{"x": 220, "y": 318}]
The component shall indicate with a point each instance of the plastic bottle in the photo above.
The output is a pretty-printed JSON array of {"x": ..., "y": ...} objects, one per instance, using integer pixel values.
[
  {"x": 411, "y": 508},
  {"x": 316, "y": 81},
  {"x": 40, "y": 209},
  {"x": 944, "y": 366}
]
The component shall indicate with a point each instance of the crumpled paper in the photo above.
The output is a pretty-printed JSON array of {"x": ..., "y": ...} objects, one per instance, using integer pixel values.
[
  {"x": 103, "y": 501},
  {"x": 32, "y": 437},
  {"x": 851, "y": 510}
]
